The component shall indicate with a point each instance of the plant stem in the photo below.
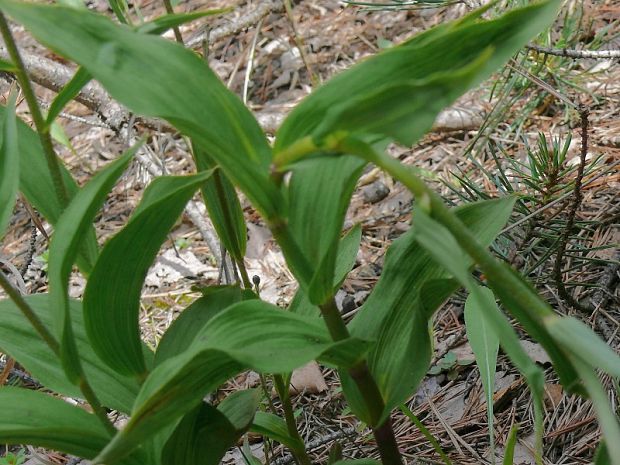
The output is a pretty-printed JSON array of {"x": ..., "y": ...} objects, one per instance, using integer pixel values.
[
  {"x": 177, "y": 31},
  {"x": 37, "y": 117},
  {"x": 98, "y": 409},
  {"x": 54, "y": 346},
  {"x": 301, "y": 456},
  {"x": 29, "y": 313},
  {"x": 384, "y": 434}
]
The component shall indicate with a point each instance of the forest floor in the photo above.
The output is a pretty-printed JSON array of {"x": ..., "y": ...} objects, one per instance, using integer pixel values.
[{"x": 470, "y": 158}]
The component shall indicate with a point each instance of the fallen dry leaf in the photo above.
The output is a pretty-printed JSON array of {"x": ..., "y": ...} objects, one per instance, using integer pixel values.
[{"x": 308, "y": 379}]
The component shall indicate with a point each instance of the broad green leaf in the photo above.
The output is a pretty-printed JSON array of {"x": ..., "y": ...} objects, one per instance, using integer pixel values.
[
  {"x": 9, "y": 165},
  {"x": 518, "y": 296},
  {"x": 22, "y": 342},
  {"x": 68, "y": 93},
  {"x": 402, "y": 111},
  {"x": 143, "y": 71},
  {"x": 411, "y": 288},
  {"x": 485, "y": 344},
  {"x": 347, "y": 254},
  {"x": 163, "y": 23},
  {"x": 447, "y": 49},
  {"x": 204, "y": 435},
  {"x": 223, "y": 206},
  {"x": 180, "y": 335},
  {"x": 71, "y": 230},
  {"x": 248, "y": 335},
  {"x": 36, "y": 183},
  {"x": 319, "y": 192},
  {"x": 274, "y": 427},
  {"x": 72, "y": 3},
  {"x": 438, "y": 241},
  {"x": 35, "y": 418},
  {"x": 579, "y": 340},
  {"x": 112, "y": 295},
  {"x": 408, "y": 266}
]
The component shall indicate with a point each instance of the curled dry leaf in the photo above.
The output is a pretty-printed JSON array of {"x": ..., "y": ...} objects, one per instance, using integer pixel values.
[{"x": 307, "y": 379}]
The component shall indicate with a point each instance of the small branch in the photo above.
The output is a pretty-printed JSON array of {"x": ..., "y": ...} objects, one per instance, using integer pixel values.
[
  {"x": 175, "y": 29},
  {"x": 249, "y": 19},
  {"x": 29, "y": 313},
  {"x": 570, "y": 222},
  {"x": 301, "y": 456},
  {"x": 571, "y": 53}
]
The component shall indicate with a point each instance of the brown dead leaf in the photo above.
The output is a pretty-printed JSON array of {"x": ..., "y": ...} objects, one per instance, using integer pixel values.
[
  {"x": 536, "y": 352},
  {"x": 553, "y": 395},
  {"x": 308, "y": 379}
]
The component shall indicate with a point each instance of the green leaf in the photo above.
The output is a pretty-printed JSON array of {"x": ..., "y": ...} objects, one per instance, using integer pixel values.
[
  {"x": 35, "y": 418},
  {"x": 223, "y": 206},
  {"x": 7, "y": 66},
  {"x": 579, "y": 340},
  {"x": 160, "y": 25},
  {"x": 68, "y": 93},
  {"x": 35, "y": 182},
  {"x": 485, "y": 344},
  {"x": 112, "y": 295},
  {"x": 607, "y": 418},
  {"x": 319, "y": 193},
  {"x": 447, "y": 49},
  {"x": 427, "y": 434},
  {"x": 71, "y": 229},
  {"x": 509, "y": 450},
  {"x": 180, "y": 335},
  {"x": 274, "y": 427},
  {"x": 22, "y": 342},
  {"x": 347, "y": 254},
  {"x": 410, "y": 290},
  {"x": 438, "y": 241},
  {"x": 205, "y": 434},
  {"x": 142, "y": 72},
  {"x": 248, "y": 335},
  {"x": 9, "y": 165}
]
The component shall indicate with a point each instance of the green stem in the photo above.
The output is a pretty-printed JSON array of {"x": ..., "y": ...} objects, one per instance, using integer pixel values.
[
  {"x": 98, "y": 409},
  {"x": 300, "y": 455},
  {"x": 29, "y": 313},
  {"x": 37, "y": 117},
  {"x": 360, "y": 373},
  {"x": 54, "y": 346},
  {"x": 175, "y": 29}
]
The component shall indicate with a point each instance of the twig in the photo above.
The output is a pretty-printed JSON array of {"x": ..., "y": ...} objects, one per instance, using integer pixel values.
[
  {"x": 175, "y": 29},
  {"x": 571, "y": 53},
  {"x": 312, "y": 445},
  {"x": 570, "y": 222},
  {"x": 556, "y": 201},
  {"x": 22, "y": 375},
  {"x": 31, "y": 250},
  {"x": 250, "y": 18}
]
